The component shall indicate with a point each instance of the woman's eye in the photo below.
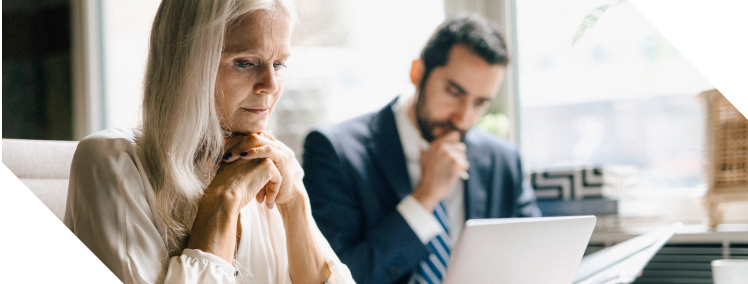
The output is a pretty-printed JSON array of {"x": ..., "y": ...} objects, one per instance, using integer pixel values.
[
  {"x": 243, "y": 64},
  {"x": 278, "y": 65}
]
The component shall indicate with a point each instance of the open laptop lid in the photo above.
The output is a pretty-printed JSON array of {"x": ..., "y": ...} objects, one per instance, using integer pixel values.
[
  {"x": 623, "y": 262},
  {"x": 543, "y": 250}
]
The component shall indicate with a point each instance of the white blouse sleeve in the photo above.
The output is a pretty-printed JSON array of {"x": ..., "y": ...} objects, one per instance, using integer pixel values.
[
  {"x": 108, "y": 209},
  {"x": 195, "y": 266}
]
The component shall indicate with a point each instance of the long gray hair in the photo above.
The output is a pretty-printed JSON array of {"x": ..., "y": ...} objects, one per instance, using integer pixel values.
[{"x": 181, "y": 135}]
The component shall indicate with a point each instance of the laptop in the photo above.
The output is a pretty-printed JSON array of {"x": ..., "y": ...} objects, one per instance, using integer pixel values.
[
  {"x": 623, "y": 262},
  {"x": 545, "y": 250}
]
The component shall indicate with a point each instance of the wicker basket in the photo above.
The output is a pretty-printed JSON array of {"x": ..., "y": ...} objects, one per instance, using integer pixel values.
[{"x": 726, "y": 155}]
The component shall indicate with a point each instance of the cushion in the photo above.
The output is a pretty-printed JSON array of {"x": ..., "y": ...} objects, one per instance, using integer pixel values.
[{"x": 44, "y": 167}]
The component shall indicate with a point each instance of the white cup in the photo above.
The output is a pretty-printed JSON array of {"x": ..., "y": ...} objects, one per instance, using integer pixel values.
[{"x": 730, "y": 271}]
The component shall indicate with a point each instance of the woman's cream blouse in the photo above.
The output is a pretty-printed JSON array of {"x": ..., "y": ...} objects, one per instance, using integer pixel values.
[{"x": 109, "y": 207}]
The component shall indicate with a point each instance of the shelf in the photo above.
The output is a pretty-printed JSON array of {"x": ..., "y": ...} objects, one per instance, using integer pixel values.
[{"x": 726, "y": 233}]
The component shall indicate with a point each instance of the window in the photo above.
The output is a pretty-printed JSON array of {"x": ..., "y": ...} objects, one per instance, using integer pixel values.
[
  {"x": 618, "y": 94},
  {"x": 349, "y": 57},
  {"x": 126, "y": 27}
]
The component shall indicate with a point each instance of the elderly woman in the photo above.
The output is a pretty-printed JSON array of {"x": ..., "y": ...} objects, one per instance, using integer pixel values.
[{"x": 199, "y": 194}]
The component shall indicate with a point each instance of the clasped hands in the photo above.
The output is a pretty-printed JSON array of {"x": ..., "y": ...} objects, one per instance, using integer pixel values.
[{"x": 256, "y": 166}]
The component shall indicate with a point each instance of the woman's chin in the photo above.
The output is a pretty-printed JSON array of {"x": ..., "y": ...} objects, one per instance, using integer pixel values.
[{"x": 249, "y": 127}]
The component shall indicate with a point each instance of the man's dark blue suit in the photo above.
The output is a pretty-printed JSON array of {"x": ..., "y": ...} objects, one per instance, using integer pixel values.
[{"x": 356, "y": 174}]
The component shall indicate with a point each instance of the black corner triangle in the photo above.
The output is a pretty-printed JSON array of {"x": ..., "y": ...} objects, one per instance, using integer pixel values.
[
  {"x": 43, "y": 249},
  {"x": 710, "y": 35}
]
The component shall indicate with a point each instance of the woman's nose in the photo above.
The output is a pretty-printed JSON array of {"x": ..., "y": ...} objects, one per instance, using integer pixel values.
[{"x": 267, "y": 81}]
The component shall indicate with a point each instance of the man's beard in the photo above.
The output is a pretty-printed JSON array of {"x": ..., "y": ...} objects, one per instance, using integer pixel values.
[{"x": 427, "y": 126}]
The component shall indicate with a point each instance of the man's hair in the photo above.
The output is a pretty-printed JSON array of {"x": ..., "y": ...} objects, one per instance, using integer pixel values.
[{"x": 473, "y": 31}]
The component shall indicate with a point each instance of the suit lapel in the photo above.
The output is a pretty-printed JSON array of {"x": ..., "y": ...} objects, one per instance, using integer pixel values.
[
  {"x": 387, "y": 151},
  {"x": 476, "y": 193}
]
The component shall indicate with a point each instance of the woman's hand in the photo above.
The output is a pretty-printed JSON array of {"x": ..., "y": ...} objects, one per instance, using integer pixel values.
[
  {"x": 264, "y": 146},
  {"x": 306, "y": 262},
  {"x": 234, "y": 185},
  {"x": 237, "y": 183}
]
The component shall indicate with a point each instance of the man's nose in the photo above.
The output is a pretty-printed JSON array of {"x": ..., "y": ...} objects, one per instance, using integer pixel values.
[
  {"x": 267, "y": 81},
  {"x": 461, "y": 116}
]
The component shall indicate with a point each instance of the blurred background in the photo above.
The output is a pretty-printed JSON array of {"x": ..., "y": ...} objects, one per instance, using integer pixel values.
[
  {"x": 591, "y": 82},
  {"x": 593, "y": 92}
]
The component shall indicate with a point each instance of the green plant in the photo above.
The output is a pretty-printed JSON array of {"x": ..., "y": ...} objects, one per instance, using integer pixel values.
[
  {"x": 497, "y": 123},
  {"x": 592, "y": 18}
]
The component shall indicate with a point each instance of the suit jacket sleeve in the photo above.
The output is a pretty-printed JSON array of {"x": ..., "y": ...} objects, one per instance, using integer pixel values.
[{"x": 384, "y": 252}]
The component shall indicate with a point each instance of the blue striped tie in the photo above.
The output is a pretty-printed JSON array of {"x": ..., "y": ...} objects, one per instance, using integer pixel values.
[{"x": 432, "y": 270}]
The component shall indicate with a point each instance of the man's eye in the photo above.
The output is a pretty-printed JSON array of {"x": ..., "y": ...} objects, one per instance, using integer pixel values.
[{"x": 453, "y": 92}]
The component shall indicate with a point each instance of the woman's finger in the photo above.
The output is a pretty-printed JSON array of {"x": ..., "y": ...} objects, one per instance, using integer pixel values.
[
  {"x": 241, "y": 144},
  {"x": 263, "y": 174},
  {"x": 272, "y": 188},
  {"x": 266, "y": 151},
  {"x": 268, "y": 135},
  {"x": 260, "y": 139},
  {"x": 250, "y": 154},
  {"x": 277, "y": 156},
  {"x": 260, "y": 195},
  {"x": 234, "y": 141}
]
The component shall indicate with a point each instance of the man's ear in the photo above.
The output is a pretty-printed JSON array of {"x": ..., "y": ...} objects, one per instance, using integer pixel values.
[{"x": 416, "y": 72}]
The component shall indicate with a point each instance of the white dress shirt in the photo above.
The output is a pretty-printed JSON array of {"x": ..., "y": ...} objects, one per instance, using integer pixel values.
[
  {"x": 423, "y": 222},
  {"x": 109, "y": 209}
]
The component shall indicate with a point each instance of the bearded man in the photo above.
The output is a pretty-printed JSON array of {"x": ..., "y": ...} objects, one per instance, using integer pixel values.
[{"x": 391, "y": 190}]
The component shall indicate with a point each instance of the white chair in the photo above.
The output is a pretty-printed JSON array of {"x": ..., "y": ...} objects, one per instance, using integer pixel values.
[{"x": 44, "y": 167}]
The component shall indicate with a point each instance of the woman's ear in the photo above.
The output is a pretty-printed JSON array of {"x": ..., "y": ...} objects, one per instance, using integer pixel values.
[{"x": 416, "y": 72}]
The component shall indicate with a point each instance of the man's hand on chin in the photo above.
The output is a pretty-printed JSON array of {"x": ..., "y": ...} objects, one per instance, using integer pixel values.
[{"x": 441, "y": 166}]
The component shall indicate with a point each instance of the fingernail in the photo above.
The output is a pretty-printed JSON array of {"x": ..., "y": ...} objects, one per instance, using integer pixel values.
[
  {"x": 227, "y": 156},
  {"x": 464, "y": 175},
  {"x": 243, "y": 154}
]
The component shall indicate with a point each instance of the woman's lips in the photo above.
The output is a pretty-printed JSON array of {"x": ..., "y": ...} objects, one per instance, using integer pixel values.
[{"x": 257, "y": 110}]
